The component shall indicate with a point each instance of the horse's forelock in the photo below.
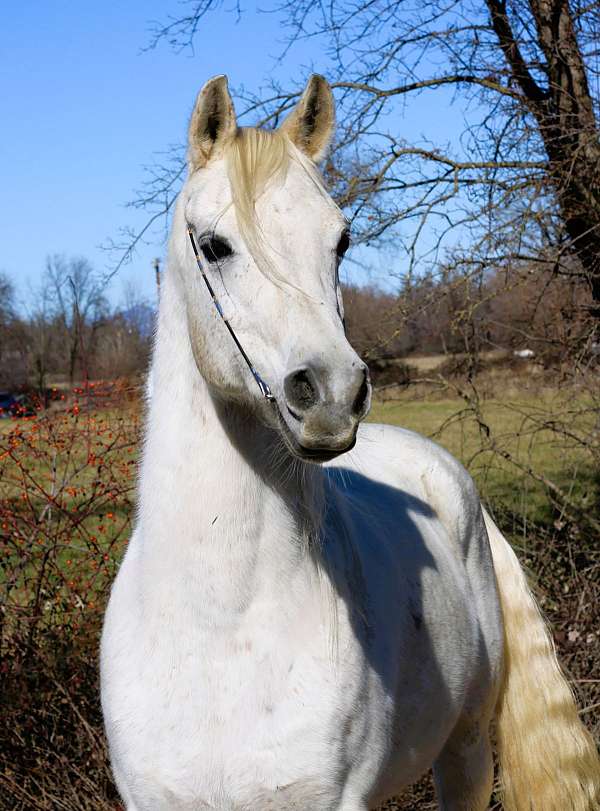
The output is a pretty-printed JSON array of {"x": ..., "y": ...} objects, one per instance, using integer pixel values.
[{"x": 255, "y": 158}]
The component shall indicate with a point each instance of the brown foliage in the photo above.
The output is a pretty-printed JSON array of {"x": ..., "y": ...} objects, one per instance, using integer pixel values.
[{"x": 469, "y": 310}]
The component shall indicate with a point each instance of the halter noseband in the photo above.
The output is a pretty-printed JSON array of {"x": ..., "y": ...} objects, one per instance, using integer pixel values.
[{"x": 262, "y": 384}]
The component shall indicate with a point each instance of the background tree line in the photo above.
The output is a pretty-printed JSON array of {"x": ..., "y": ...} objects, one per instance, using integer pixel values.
[
  {"x": 451, "y": 312},
  {"x": 71, "y": 333},
  {"x": 68, "y": 331}
]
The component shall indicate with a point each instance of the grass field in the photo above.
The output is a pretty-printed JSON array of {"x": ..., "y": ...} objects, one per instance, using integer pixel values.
[
  {"x": 515, "y": 450},
  {"x": 67, "y": 488}
]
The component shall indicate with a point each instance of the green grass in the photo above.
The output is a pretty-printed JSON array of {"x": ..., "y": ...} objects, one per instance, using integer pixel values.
[{"x": 525, "y": 454}]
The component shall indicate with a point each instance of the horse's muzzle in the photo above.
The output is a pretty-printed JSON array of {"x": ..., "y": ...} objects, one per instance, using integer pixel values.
[{"x": 323, "y": 410}]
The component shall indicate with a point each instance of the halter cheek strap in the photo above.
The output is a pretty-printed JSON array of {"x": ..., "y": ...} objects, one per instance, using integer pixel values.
[{"x": 262, "y": 384}]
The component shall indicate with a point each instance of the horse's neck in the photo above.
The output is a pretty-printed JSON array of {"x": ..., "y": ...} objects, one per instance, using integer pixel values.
[{"x": 216, "y": 525}]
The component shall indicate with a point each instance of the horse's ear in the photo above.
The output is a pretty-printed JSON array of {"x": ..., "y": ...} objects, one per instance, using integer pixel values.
[
  {"x": 212, "y": 124},
  {"x": 311, "y": 123}
]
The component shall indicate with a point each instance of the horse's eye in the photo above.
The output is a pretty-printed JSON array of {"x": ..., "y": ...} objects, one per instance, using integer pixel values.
[
  {"x": 343, "y": 244},
  {"x": 215, "y": 249}
]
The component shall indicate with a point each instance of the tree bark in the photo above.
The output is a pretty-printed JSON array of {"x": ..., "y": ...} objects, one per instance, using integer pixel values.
[{"x": 565, "y": 116}]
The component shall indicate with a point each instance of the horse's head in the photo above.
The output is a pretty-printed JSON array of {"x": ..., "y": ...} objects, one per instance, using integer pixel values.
[{"x": 256, "y": 229}]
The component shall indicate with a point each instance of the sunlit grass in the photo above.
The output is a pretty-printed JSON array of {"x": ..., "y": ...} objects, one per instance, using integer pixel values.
[{"x": 515, "y": 450}]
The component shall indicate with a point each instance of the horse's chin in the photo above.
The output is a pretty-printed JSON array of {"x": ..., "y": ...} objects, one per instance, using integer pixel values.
[
  {"x": 316, "y": 454},
  {"x": 319, "y": 455}
]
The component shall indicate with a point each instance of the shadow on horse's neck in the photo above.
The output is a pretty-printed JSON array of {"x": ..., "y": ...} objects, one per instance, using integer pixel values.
[
  {"x": 264, "y": 451},
  {"x": 200, "y": 445}
]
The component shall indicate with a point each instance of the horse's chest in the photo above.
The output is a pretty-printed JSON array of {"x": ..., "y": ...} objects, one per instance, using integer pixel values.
[
  {"x": 254, "y": 724},
  {"x": 262, "y": 757}
]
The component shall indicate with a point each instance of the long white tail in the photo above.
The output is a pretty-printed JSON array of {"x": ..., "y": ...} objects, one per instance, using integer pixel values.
[{"x": 548, "y": 759}]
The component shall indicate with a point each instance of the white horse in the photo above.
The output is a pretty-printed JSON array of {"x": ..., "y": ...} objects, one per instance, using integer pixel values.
[{"x": 287, "y": 631}]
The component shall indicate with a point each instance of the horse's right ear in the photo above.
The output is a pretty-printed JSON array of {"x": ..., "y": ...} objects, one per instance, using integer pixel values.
[{"x": 212, "y": 124}]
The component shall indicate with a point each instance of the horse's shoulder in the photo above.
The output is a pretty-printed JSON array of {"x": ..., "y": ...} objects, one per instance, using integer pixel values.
[
  {"x": 420, "y": 467},
  {"x": 407, "y": 455}
]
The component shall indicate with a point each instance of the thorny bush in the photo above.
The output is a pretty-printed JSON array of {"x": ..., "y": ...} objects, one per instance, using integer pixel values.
[{"x": 66, "y": 479}]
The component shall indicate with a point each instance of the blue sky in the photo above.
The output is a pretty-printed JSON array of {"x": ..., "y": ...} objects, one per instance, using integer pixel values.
[{"x": 85, "y": 108}]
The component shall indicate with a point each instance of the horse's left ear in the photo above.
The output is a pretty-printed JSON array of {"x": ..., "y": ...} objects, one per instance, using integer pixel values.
[{"x": 311, "y": 123}]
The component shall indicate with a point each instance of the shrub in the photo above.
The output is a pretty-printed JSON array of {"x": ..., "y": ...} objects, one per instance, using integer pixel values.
[{"x": 67, "y": 480}]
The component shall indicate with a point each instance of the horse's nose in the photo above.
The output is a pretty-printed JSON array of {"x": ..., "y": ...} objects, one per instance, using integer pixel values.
[
  {"x": 327, "y": 402},
  {"x": 301, "y": 392}
]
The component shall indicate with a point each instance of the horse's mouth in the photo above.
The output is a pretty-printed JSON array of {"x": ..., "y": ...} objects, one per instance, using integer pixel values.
[
  {"x": 321, "y": 454},
  {"x": 315, "y": 455}
]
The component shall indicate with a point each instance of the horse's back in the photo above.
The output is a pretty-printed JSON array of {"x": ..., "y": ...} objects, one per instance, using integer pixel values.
[{"x": 413, "y": 465}]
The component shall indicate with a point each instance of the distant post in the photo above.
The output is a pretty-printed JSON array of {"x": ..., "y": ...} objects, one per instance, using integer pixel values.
[{"x": 156, "y": 266}]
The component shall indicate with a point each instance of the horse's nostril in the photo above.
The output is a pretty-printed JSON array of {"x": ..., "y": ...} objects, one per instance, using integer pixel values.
[
  {"x": 301, "y": 390},
  {"x": 363, "y": 393}
]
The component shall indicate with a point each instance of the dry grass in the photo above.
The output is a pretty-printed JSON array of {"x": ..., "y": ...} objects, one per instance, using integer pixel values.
[{"x": 428, "y": 363}]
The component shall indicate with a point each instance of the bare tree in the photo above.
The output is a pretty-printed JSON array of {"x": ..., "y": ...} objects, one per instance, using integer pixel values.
[
  {"x": 7, "y": 300},
  {"x": 41, "y": 342},
  {"x": 13, "y": 343},
  {"x": 76, "y": 296},
  {"x": 524, "y": 182},
  {"x": 126, "y": 340}
]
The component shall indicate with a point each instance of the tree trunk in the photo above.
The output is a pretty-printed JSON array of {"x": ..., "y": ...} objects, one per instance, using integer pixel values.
[
  {"x": 570, "y": 134},
  {"x": 565, "y": 116}
]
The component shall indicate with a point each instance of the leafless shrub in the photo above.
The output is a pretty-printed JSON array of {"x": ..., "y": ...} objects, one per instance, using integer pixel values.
[{"x": 66, "y": 480}]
